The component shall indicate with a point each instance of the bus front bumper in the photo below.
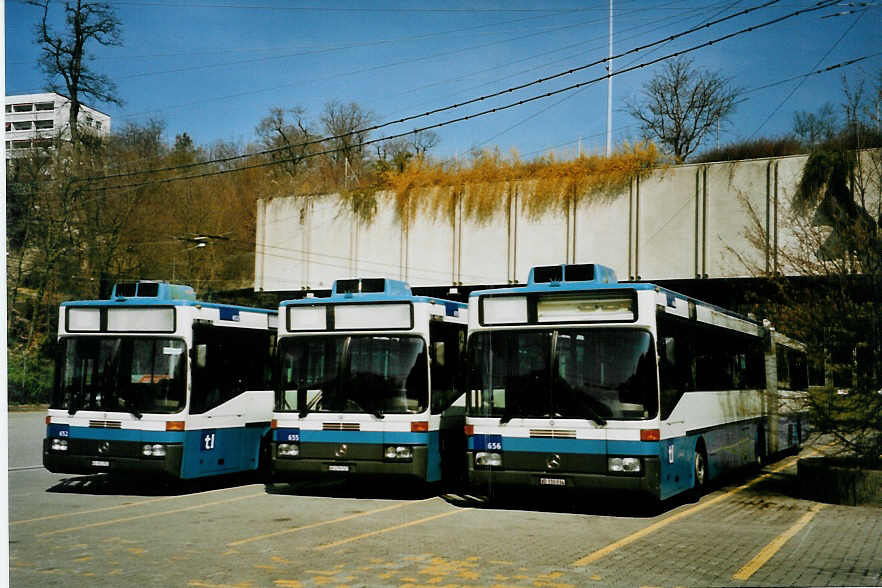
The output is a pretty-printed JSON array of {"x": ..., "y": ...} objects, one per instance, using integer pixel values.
[
  {"x": 362, "y": 460},
  {"x": 647, "y": 482},
  {"x": 62, "y": 462}
]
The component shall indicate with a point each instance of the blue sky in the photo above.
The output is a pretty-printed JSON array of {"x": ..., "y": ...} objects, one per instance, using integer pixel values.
[{"x": 214, "y": 68}]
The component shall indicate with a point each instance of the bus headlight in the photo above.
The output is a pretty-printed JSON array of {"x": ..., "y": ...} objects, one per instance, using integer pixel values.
[
  {"x": 153, "y": 450},
  {"x": 288, "y": 450},
  {"x": 488, "y": 459},
  {"x": 58, "y": 445},
  {"x": 629, "y": 465},
  {"x": 398, "y": 452}
]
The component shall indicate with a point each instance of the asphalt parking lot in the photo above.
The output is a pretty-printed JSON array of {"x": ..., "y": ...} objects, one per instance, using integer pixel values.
[{"x": 749, "y": 530}]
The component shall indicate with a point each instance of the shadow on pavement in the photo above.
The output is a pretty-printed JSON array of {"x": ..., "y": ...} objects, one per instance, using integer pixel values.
[
  {"x": 106, "y": 484},
  {"x": 340, "y": 488}
]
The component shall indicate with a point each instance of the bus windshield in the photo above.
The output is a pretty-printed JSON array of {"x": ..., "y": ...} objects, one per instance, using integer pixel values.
[
  {"x": 125, "y": 374},
  {"x": 594, "y": 374},
  {"x": 374, "y": 374}
]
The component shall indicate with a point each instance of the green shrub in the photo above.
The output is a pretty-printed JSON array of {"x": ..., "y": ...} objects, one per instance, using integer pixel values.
[
  {"x": 29, "y": 377},
  {"x": 752, "y": 150}
]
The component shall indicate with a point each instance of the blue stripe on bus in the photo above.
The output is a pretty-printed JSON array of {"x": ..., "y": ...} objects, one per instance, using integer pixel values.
[
  {"x": 364, "y": 437},
  {"x": 588, "y": 446},
  {"x": 124, "y": 434}
]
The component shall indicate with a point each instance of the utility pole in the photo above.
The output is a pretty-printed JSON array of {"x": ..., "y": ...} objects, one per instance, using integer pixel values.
[{"x": 609, "y": 71}]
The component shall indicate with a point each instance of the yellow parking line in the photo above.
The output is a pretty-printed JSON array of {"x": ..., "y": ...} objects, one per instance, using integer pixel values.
[
  {"x": 777, "y": 543},
  {"x": 115, "y": 507},
  {"x": 323, "y": 523},
  {"x": 147, "y": 516},
  {"x": 388, "y": 529},
  {"x": 603, "y": 552},
  {"x": 90, "y": 511}
]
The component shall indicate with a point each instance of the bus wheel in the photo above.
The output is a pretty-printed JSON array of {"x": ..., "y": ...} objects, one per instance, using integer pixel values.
[
  {"x": 700, "y": 478},
  {"x": 265, "y": 462}
]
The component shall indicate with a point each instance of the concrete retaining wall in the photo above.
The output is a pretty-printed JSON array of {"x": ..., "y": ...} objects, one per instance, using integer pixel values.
[{"x": 684, "y": 222}]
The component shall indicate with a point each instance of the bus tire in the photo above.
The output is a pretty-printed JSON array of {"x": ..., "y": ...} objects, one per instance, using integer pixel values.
[
  {"x": 699, "y": 480},
  {"x": 760, "y": 457},
  {"x": 264, "y": 461}
]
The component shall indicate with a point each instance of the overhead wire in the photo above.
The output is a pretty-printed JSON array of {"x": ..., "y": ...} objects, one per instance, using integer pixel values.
[
  {"x": 803, "y": 79},
  {"x": 573, "y": 95},
  {"x": 432, "y": 126},
  {"x": 374, "y": 44},
  {"x": 370, "y": 69},
  {"x": 509, "y": 90},
  {"x": 822, "y": 70}
]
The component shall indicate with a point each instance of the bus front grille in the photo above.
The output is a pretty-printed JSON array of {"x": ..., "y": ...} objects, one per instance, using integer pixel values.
[
  {"x": 341, "y": 427},
  {"x": 105, "y": 424},
  {"x": 552, "y": 434}
]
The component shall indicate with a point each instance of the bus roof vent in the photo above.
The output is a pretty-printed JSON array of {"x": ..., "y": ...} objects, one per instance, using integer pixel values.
[
  {"x": 384, "y": 286},
  {"x": 577, "y": 272},
  {"x": 153, "y": 290}
]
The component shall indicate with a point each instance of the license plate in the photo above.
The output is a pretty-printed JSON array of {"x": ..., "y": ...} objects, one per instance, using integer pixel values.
[
  {"x": 338, "y": 468},
  {"x": 552, "y": 482},
  {"x": 100, "y": 463}
]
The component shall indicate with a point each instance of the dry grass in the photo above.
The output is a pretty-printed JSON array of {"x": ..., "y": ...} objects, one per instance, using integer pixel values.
[{"x": 483, "y": 187}]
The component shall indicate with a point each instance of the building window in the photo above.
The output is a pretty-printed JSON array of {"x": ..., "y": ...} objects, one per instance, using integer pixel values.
[
  {"x": 97, "y": 124},
  {"x": 21, "y": 125},
  {"x": 9, "y": 108},
  {"x": 8, "y": 127},
  {"x": 46, "y": 143},
  {"x": 23, "y": 107},
  {"x": 45, "y": 124},
  {"x": 21, "y": 144},
  {"x": 45, "y": 106}
]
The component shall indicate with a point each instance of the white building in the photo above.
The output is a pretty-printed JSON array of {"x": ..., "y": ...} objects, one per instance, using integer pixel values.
[{"x": 30, "y": 119}]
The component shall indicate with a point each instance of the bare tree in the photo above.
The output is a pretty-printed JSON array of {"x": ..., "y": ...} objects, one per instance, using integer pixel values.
[
  {"x": 836, "y": 222},
  {"x": 287, "y": 137},
  {"x": 423, "y": 141},
  {"x": 815, "y": 128},
  {"x": 681, "y": 104},
  {"x": 345, "y": 124},
  {"x": 65, "y": 54}
]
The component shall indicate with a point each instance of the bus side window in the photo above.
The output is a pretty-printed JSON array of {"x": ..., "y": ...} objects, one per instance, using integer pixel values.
[
  {"x": 676, "y": 366},
  {"x": 447, "y": 342},
  {"x": 228, "y": 362}
]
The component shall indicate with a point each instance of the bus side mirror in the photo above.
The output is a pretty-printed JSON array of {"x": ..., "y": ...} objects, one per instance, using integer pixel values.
[
  {"x": 670, "y": 350},
  {"x": 438, "y": 353},
  {"x": 201, "y": 355}
]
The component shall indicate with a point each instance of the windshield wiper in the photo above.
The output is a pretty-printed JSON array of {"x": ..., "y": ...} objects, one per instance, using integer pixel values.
[
  {"x": 307, "y": 408},
  {"x": 585, "y": 410},
  {"x": 74, "y": 407},
  {"x": 135, "y": 413},
  {"x": 374, "y": 411},
  {"x": 593, "y": 416}
]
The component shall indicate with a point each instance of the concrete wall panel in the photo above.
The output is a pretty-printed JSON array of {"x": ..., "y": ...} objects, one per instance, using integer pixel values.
[
  {"x": 665, "y": 212},
  {"x": 429, "y": 251},
  {"x": 485, "y": 251},
  {"x": 602, "y": 232},
  {"x": 378, "y": 244},
  {"x": 539, "y": 241},
  {"x": 733, "y": 189}
]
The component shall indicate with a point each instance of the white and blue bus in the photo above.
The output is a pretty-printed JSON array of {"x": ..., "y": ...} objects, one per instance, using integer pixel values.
[
  {"x": 154, "y": 382},
  {"x": 368, "y": 384},
  {"x": 578, "y": 381}
]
